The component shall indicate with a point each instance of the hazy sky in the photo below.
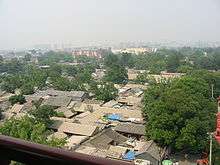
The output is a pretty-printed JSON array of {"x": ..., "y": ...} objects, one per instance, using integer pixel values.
[{"x": 83, "y": 22}]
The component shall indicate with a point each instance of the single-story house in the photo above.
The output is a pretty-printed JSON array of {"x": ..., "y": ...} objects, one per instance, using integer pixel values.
[
  {"x": 57, "y": 101},
  {"x": 106, "y": 138},
  {"x": 16, "y": 108},
  {"x": 91, "y": 151},
  {"x": 150, "y": 151},
  {"x": 116, "y": 152},
  {"x": 75, "y": 140},
  {"x": 77, "y": 129},
  {"x": 130, "y": 129}
]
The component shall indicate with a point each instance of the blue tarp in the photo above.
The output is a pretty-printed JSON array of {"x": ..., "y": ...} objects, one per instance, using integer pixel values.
[
  {"x": 114, "y": 117},
  {"x": 130, "y": 155}
]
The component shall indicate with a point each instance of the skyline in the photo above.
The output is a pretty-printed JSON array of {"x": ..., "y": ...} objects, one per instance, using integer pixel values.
[{"x": 28, "y": 22}]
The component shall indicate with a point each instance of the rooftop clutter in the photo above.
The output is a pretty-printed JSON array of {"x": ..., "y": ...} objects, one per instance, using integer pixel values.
[{"x": 112, "y": 129}]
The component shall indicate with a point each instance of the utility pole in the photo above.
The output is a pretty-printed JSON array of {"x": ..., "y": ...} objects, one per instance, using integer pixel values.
[
  {"x": 212, "y": 91},
  {"x": 210, "y": 148}
]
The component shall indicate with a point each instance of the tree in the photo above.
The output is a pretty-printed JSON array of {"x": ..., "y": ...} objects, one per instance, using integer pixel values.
[
  {"x": 105, "y": 91},
  {"x": 180, "y": 114},
  {"x": 127, "y": 60},
  {"x": 184, "y": 69},
  {"x": 116, "y": 74},
  {"x": 27, "y": 89},
  {"x": 55, "y": 70},
  {"x": 1, "y": 59},
  {"x": 17, "y": 99},
  {"x": 173, "y": 62},
  {"x": 142, "y": 78},
  {"x": 29, "y": 129},
  {"x": 27, "y": 57},
  {"x": 111, "y": 60},
  {"x": 84, "y": 75},
  {"x": 11, "y": 82},
  {"x": 61, "y": 83},
  {"x": 70, "y": 70},
  {"x": 43, "y": 113},
  {"x": 212, "y": 78}
]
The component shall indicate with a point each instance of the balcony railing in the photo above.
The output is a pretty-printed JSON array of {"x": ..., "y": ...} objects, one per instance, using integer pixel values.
[{"x": 37, "y": 154}]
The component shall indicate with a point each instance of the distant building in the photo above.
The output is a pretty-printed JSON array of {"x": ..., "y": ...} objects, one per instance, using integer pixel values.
[
  {"x": 136, "y": 51},
  {"x": 90, "y": 52}
]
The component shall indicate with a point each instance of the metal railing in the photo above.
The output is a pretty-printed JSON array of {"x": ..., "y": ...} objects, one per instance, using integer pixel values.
[{"x": 37, "y": 154}]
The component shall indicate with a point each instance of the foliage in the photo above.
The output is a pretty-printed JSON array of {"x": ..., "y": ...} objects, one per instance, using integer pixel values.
[
  {"x": 10, "y": 83},
  {"x": 142, "y": 78},
  {"x": 212, "y": 78},
  {"x": 61, "y": 83},
  {"x": 27, "y": 57},
  {"x": 30, "y": 78},
  {"x": 127, "y": 60},
  {"x": 17, "y": 99},
  {"x": 116, "y": 74},
  {"x": 43, "y": 113},
  {"x": 180, "y": 114},
  {"x": 111, "y": 60},
  {"x": 55, "y": 70},
  {"x": 184, "y": 69},
  {"x": 105, "y": 91},
  {"x": 173, "y": 62},
  {"x": 70, "y": 70},
  {"x": 55, "y": 57},
  {"x": 29, "y": 129},
  {"x": 27, "y": 89}
]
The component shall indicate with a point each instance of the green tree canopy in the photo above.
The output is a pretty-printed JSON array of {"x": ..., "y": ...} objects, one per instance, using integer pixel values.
[
  {"x": 116, "y": 74},
  {"x": 105, "y": 91},
  {"x": 43, "y": 113},
  {"x": 180, "y": 114},
  {"x": 17, "y": 99},
  {"x": 29, "y": 129}
]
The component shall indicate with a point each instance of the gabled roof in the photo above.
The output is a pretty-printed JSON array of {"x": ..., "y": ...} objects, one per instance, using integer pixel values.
[
  {"x": 91, "y": 151},
  {"x": 129, "y": 128},
  {"x": 150, "y": 148},
  {"x": 103, "y": 140},
  {"x": 75, "y": 140},
  {"x": 77, "y": 129},
  {"x": 52, "y": 92},
  {"x": 81, "y": 107},
  {"x": 110, "y": 104},
  {"x": 130, "y": 100},
  {"x": 16, "y": 108},
  {"x": 66, "y": 111},
  {"x": 116, "y": 152},
  {"x": 58, "y": 101},
  {"x": 101, "y": 111}
]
